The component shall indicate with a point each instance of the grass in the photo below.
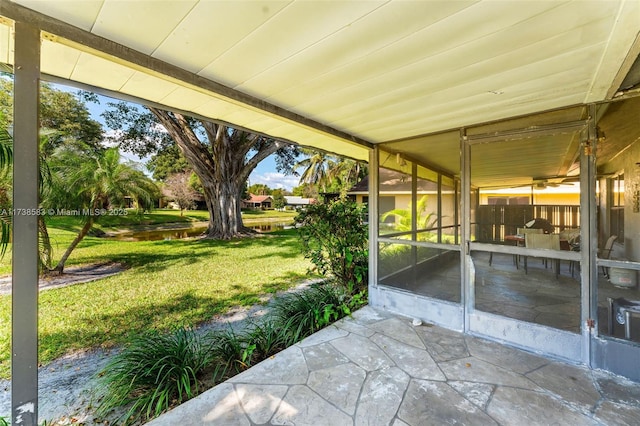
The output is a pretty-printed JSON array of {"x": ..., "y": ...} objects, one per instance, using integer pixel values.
[{"x": 168, "y": 284}]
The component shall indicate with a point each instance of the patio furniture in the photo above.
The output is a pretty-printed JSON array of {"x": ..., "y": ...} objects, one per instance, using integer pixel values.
[
  {"x": 543, "y": 241},
  {"x": 621, "y": 311},
  {"x": 570, "y": 240},
  {"x": 605, "y": 253},
  {"x": 539, "y": 223},
  {"x": 519, "y": 239}
]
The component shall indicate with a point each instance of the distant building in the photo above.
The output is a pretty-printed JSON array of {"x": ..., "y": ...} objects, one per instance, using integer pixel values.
[
  {"x": 294, "y": 201},
  {"x": 258, "y": 202}
]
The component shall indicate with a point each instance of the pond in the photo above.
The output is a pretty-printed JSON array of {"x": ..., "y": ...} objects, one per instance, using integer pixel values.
[{"x": 177, "y": 234}]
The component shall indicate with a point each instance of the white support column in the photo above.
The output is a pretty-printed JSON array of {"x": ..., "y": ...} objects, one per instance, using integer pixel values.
[
  {"x": 24, "y": 320},
  {"x": 468, "y": 292},
  {"x": 589, "y": 236}
]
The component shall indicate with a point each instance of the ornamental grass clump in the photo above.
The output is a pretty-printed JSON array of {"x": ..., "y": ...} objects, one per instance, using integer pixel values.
[
  {"x": 301, "y": 314},
  {"x": 153, "y": 373}
]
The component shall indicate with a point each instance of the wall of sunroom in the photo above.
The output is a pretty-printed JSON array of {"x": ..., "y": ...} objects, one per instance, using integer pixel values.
[
  {"x": 619, "y": 177},
  {"x": 419, "y": 233}
]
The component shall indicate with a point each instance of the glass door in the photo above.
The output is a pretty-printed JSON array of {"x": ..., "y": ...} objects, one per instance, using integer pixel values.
[
  {"x": 524, "y": 277},
  {"x": 615, "y": 343}
]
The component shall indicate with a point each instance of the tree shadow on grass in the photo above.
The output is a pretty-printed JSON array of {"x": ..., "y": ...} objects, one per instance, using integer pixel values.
[{"x": 115, "y": 328}]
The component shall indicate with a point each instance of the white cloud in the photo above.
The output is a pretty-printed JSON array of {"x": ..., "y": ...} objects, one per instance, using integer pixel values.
[{"x": 274, "y": 180}]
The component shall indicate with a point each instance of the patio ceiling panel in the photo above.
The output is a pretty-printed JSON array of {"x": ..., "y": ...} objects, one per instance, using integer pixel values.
[
  {"x": 145, "y": 86},
  {"x": 79, "y": 15},
  {"x": 90, "y": 67},
  {"x": 298, "y": 27},
  {"x": 344, "y": 58},
  {"x": 186, "y": 98},
  {"x": 212, "y": 28},
  {"x": 133, "y": 28},
  {"x": 520, "y": 162},
  {"x": 445, "y": 81},
  {"x": 57, "y": 59}
]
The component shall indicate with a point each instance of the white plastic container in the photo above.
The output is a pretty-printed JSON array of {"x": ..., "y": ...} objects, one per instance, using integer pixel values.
[{"x": 626, "y": 278}]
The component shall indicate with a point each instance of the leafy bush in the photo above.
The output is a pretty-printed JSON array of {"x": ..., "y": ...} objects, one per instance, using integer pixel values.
[
  {"x": 154, "y": 372},
  {"x": 335, "y": 239}
]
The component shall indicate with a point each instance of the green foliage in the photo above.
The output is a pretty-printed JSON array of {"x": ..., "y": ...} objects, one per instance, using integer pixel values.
[
  {"x": 61, "y": 111},
  {"x": 6, "y": 160},
  {"x": 259, "y": 189},
  {"x": 403, "y": 217},
  {"x": 302, "y": 314},
  {"x": 154, "y": 372},
  {"x": 267, "y": 338},
  {"x": 335, "y": 239},
  {"x": 305, "y": 190},
  {"x": 232, "y": 352},
  {"x": 94, "y": 182},
  {"x": 329, "y": 173},
  {"x": 279, "y": 201},
  {"x": 166, "y": 162}
]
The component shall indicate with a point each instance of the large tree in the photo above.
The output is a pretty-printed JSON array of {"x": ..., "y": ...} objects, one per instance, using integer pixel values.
[
  {"x": 63, "y": 112},
  {"x": 222, "y": 157}
]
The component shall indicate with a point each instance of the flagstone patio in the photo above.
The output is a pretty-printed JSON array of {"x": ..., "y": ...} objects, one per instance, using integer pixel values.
[{"x": 376, "y": 368}]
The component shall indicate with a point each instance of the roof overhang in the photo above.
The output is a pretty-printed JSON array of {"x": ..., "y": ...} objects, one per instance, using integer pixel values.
[{"x": 342, "y": 75}]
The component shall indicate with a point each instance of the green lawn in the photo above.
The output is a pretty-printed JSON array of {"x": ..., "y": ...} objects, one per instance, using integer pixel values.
[{"x": 168, "y": 284}]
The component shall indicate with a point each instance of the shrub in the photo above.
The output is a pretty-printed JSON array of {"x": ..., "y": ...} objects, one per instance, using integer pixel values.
[
  {"x": 232, "y": 352},
  {"x": 267, "y": 338},
  {"x": 154, "y": 372},
  {"x": 335, "y": 239},
  {"x": 301, "y": 314}
]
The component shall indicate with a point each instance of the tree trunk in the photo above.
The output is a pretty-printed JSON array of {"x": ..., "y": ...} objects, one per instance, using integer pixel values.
[
  {"x": 83, "y": 232},
  {"x": 221, "y": 166}
]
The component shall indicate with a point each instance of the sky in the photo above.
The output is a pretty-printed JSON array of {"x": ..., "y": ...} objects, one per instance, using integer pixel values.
[{"x": 264, "y": 173}]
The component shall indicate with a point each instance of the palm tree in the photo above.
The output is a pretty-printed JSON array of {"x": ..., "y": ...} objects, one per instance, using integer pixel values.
[
  {"x": 93, "y": 183},
  {"x": 316, "y": 169},
  {"x": 424, "y": 220},
  {"x": 6, "y": 160},
  {"x": 6, "y": 184},
  {"x": 330, "y": 172},
  {"x": 347, "y": 172}
]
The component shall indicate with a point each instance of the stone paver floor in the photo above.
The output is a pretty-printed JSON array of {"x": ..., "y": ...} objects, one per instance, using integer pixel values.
[{"x": 376, "y": 368}]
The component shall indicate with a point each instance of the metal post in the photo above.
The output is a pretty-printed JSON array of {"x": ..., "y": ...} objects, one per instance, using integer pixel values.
[
  {"x": 589, "y": 241},
  {"x": 24, "y": 322},
  {"x": 439, "y": 208},
  {"x": 373, "y": 219},
  {"x": 414, "y": 220},
  {"x": 465, "y": 224}
]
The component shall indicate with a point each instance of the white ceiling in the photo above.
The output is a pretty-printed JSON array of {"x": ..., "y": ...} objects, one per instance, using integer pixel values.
[{"x": 376, "y": 70}]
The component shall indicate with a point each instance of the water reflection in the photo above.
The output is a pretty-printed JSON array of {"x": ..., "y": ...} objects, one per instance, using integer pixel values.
[{"x": 177, "y": 234}]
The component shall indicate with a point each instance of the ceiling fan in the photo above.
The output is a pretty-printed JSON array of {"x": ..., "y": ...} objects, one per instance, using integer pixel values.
[{"x": 542, "y": 183}]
